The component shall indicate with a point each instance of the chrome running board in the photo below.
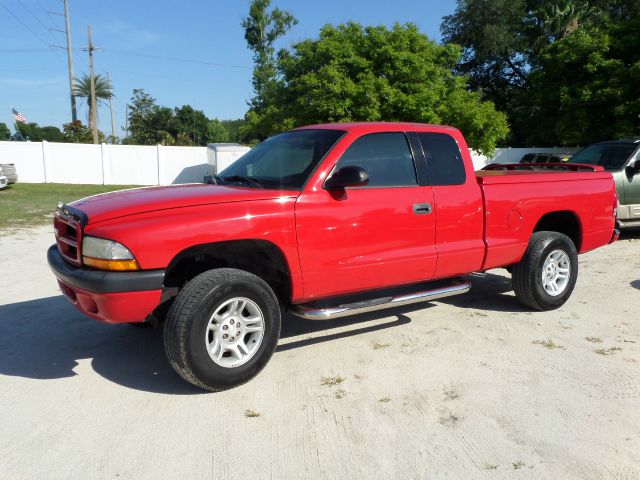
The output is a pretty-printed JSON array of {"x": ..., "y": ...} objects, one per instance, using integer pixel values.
[{"x": 311, "y": 312}]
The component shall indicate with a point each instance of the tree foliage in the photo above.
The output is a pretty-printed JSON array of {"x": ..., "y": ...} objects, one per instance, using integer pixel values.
[
  {"x": 587, "y": 87},
  {"x": 5, "y": 133},
  {"x": 216, "y": 132},
  {"x": 151, "y": 124},
  {"x": 262, "y": 28},
  {"x": 32, "y": 131},
  {"x": 506, "y": 43},
  {"x": 356, "y": 73},
  {"x": 77, "y": 132}
]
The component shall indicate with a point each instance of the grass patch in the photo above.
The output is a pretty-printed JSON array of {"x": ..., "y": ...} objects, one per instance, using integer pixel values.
[
  {"x": 593, "y": 339},
  {"x": 384, "y": 400},
  {"x": 331, "y": 381},
  {"x": 548, "y": 343},
  {"x": 448, "y": 419},
  {"x": 518, "y": 465},
  {"x": 490, "y": 466},
  {"x": 607, "y": 351},
  {"x": 380, "y": 346},
  {"x": 250, "y": 413},
  {"x": 31, "y": 204},
  {"x": 340, "y": 394},
  {"x": 450, "y": 393}
]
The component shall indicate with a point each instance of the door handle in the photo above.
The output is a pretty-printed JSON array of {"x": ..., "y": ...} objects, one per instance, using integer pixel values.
[{"x": 422, "y": 208}]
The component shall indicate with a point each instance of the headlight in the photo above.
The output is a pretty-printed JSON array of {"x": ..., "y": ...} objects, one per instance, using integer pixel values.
[{"x": 107, "y": 255}]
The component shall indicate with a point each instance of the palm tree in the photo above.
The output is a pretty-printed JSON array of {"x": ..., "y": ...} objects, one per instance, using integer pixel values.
[{"x": 82, "y": 89}]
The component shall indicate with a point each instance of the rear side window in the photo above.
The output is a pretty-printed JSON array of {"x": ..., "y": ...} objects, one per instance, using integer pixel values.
[
  {"x": 443, "y": 159},
  {"x": 386, "y": 158}
]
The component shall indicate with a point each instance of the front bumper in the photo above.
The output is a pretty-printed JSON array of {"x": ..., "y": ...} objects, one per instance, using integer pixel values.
[{"x": 111, "y": 297}]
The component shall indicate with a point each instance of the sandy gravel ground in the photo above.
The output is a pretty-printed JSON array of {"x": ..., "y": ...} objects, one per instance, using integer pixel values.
[{"x": 462, "y": 388}]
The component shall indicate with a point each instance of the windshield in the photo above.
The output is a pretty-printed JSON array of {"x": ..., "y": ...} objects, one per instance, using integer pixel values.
[
  {"x": 284, "y": 161},
  {"x": 611, "y": 156}
]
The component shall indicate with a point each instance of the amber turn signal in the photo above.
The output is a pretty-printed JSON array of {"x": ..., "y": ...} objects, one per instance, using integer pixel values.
[{"x": 114, "y": 265}]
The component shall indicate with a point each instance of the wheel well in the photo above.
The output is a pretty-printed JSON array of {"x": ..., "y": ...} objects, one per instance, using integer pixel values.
[
  {"x": 563, "y": 222},
  {"x": 262, "y": 258}
]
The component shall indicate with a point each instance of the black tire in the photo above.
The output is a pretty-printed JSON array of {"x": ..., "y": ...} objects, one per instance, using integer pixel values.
[
  {"x": 527, "y": 274},
  {"x": 188, "y": 317}
]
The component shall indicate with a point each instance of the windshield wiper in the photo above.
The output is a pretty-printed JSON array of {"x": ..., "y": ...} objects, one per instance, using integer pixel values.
[
  {"x": 213, "y": 179},
  {"x": 248, "y": 180}
]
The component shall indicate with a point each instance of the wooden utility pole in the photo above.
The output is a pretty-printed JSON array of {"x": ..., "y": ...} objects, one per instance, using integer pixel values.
[
  {"x": 113, "y": 123},
  {"x": 74, "y": 115},
  {"x": 93, "y": 119}
]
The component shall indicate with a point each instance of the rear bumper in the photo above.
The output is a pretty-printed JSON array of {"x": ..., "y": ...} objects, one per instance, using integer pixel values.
[
  {"x": 616, "y": 232},
  {"x": 111, "y": 297}
]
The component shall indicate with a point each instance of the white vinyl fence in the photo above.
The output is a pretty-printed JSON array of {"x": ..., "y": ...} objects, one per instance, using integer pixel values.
[{"x": 46, "y": 162}]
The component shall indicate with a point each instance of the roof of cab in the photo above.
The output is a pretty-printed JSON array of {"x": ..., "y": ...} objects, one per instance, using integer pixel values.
[{"x": 378, "y": 126}]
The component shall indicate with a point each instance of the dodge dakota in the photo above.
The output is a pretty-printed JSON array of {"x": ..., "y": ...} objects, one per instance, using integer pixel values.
[{"x": 322, "y": 221}]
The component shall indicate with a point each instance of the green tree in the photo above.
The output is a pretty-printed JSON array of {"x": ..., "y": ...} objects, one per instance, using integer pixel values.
[
  {"x": 192, "y": 126},
  {"x": 262, "y": 28},
  {"x": 5, "y": 133},
  {"x": 32, "y": 131},
  {"x": 82, "y": 89},
  {"x": 234, "y": 130},
  {"x": 216, "y": 132},
  {"x": 77, "y": 132},
  {"x": 503, "y": 42},
  {"x": 151, "y": 124},
  {"x": 142, "y": 112},
  {"x": 587, "y": 86},
  {"x": 356, "y": 73}
]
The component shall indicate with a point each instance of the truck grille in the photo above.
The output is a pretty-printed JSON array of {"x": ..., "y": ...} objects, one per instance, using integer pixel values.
[{"x": 68, "y": 238}]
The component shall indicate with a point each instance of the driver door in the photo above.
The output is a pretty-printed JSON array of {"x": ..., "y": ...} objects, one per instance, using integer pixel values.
[{"x": 362, "y": 238}]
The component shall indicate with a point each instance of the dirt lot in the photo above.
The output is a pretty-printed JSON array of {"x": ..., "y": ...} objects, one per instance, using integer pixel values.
[{"x": 471, "y": 387}]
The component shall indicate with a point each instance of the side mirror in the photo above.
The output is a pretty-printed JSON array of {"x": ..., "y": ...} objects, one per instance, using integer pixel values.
[{"x": 350, "y": 176}]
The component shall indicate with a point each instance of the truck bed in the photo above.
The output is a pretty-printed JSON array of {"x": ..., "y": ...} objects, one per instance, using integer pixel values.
[{"x": 516, "y": 200}]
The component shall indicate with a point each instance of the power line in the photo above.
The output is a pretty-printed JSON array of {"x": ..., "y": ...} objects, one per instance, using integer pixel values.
[
  {"x": 23, "y": 24},
  {"x": 27, "y": 27},
  {"x": 21, "y": 50},
  {"x": 37, "y": 19},
  {"x": 46, "y": 12},
  {"x": 137, "y": 54},
  {"x": 173, "y": 59}
]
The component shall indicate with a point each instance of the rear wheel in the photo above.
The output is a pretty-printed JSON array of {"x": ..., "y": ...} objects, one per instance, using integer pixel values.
[
  {"x": 222, "y": 329},
  {"x": 547, "y": 273}
]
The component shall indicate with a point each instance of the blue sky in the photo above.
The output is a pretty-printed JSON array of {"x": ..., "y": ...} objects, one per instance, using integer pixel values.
[{"x": 36, "y": 82}]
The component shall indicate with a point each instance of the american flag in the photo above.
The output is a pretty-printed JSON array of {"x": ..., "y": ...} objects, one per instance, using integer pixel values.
[{"x": 17, "y": 116}]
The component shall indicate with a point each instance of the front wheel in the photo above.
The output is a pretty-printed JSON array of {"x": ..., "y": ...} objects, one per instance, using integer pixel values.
[
  {"x": 547, "y": 273},
  {"x": 222, "y": 329}
]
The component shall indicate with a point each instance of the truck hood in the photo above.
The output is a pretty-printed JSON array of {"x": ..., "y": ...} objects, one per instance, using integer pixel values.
[{"x": 111, "y": 205}]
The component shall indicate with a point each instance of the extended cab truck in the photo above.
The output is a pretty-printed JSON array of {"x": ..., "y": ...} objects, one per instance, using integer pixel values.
[{"x": 323, "y": 221}]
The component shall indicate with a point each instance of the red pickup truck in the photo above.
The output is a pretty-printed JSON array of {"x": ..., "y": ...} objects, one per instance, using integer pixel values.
[{"x": 322, "y": 221}]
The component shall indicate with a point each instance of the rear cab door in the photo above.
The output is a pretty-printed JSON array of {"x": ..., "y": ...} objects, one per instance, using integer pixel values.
[
  {"x": 459, "y": 209},
  {"x": 375, "y": 236}
]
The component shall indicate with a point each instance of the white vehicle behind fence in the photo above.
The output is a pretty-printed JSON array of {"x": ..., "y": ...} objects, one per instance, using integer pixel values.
[
  {"x": 8, "y": 170},
  {"x": 221, "y": 155}
]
